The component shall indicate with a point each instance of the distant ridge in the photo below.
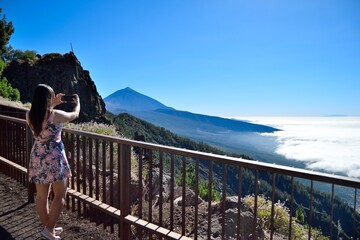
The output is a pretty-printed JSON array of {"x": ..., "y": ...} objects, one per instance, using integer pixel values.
[
  {"x": 233, "y": 124},
  {"x": 195, "y": 126}
]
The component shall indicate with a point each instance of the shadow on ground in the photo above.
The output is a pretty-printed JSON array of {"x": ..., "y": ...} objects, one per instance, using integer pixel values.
[{"x": 5, "y": 235}]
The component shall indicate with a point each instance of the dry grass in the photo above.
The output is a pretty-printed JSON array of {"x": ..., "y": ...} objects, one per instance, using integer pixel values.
[{"x": 17, "y": 104}]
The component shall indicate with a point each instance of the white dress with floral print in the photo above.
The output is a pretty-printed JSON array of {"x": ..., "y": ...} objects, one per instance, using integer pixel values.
[{"x": 48, "y": 162}]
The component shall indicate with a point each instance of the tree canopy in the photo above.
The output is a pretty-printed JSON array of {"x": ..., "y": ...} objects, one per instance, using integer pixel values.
[{"x": 6, "y": 30}]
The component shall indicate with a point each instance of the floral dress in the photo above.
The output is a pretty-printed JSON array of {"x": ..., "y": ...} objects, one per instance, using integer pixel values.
[{"x": 48, "y": 162}]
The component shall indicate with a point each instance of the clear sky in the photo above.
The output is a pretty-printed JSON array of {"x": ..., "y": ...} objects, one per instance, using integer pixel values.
[{"x": 215, "y": 57}]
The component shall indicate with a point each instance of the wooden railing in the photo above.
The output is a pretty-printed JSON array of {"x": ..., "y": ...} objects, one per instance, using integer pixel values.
[{"x": 140, "y": 188}]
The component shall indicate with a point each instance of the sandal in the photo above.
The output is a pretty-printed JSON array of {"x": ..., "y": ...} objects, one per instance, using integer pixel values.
[
  {"x": 58, "y": 230},
  {"x": 48, "y": 235}
]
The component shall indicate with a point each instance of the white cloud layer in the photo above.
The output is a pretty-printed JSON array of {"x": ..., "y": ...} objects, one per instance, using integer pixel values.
[{"x": 330, "y": 144}]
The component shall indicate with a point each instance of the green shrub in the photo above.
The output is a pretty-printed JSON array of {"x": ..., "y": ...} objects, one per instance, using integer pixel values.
[
  {"x": 203, "y": 186},
  {"x": 204, "y": 191},
  {"x": 8, "y": 92},
  {"x": 2, "y": 66},
  {"x": 281, "y": 219},
  {"x": 28, "y": 55}
]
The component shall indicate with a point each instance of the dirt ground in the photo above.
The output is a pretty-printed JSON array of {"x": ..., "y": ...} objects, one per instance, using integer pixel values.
[{"x": 18, "y": 218}]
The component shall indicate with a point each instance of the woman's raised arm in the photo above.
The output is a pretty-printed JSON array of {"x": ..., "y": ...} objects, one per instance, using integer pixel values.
[{"x": 62, "y": 116}]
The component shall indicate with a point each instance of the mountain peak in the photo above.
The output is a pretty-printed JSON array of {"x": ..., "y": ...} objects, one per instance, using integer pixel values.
[
  {"x": 121, "y": 91},
  {"x": 128, "y": 89},
  {"x": 128, "y": 99}
]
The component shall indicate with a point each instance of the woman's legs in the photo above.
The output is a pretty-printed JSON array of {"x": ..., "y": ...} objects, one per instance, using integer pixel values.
[
  {"x": 59, "y": 188},
  {"x": 42, "y": 206}
]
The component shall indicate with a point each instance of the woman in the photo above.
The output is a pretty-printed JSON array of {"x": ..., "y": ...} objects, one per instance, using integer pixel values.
[{"x": 48, "y": 163}]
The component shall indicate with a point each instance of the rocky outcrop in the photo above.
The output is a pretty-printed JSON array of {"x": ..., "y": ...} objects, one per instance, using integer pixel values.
[
  {"x": 63, "y": 73},
  {"x": 230, "y": 219}
]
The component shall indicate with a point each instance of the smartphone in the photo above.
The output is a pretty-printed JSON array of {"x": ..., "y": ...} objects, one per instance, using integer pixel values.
[{"x": 67, "y": 98}]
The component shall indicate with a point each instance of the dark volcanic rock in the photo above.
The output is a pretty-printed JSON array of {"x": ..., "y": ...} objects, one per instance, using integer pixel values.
[{"x": 64, "y": 74}]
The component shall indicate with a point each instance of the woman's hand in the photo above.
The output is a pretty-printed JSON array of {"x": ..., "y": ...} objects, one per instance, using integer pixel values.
[{"x": 58, "y": 100}]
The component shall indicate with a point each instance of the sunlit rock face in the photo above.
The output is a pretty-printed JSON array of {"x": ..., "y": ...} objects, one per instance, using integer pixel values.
[{"x": 63, "y": 73}]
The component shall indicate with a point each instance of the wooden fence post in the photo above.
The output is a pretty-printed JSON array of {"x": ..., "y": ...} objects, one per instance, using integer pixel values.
[
  {"x": 125, "y": 168},
  {"x": 29, "y": 143}
]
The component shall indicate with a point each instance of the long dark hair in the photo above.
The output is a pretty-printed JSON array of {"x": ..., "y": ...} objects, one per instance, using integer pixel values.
[{"x": 41, "y": 104}]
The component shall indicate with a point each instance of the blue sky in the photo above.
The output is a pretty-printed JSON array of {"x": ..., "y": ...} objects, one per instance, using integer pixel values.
[{"x": 215, "y": 57}]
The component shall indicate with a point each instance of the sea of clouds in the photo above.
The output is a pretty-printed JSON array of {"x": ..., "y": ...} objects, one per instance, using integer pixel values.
[{"x": 330, "y": 144}]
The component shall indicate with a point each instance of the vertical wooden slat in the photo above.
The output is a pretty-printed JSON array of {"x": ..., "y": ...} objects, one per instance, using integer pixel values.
[
  {"x": 23, "y": 160},
  {"x": 84, "y": 175},
  {"x": 161, "y": 189},
  {"x": 310, "y": 207},
  {"x": 332, "y": 210},
  {"x": 6, "y": 131},
  {"x": 223, "y": 205},
  {"x": 104, "y": 176},
  {"x": 72, "y": 166},
  {"x": 23, "y": 144},
  {"x": 172, "y": 177},
  {"x": 10, "y": 141},
  {"x": 140, "y": 196},
  {"x": 11, "y": 150},
  {"x": 2, "y": 138},
  {"x": 150, "y": 194},
  {"x": 78, "y": 171},
  {"x": 183, "y": 184},
  {"x": 196, "y": 198},
  {"x": 13, "y": 132},
  {"x": 11, "y": 170},
  {"x": 125, "y": 164},
  {"x": 22, "y": 150},
  {"x": 29, "y": 142},
  {"x": 111, "y": 182},
  {"x": 14, "y": 151},
  {"x": 256, "y": 184},
  {"x": 238, "y": 237},
  {"x": 272, "y": 206},
  {"x": 23, "y": 137},
  {"x": 65, "y": 139},
  {"x": 97, "y": 178},
  {"x": 97, "y": 166},
  {"x": 291, "y": 207},
  {"x": 209, "y": 199},
  {"x": 16, "y": 159},
  {"x": 104, "y": 171},
  {"x": 119, "y": 152},
  {"x": 354, "y": 214},
  {"x": 7, "y": 144},
  {"x": 17, "y": 150},
  {"x": 23, "y": 153},
  {"x": 91, "y": 177},
  {"x": 91, "y": 174}
]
